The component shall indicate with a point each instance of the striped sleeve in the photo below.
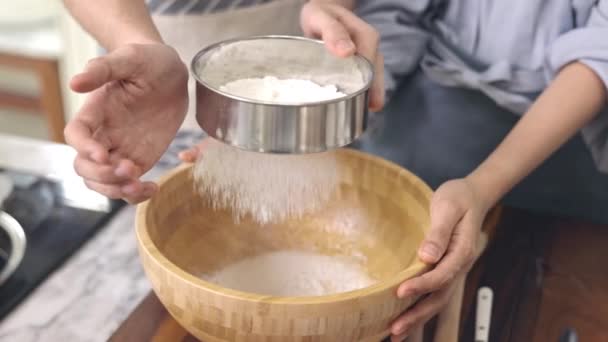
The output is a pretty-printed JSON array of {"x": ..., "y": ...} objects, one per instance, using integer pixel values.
[{"x": 180, "y": 7}]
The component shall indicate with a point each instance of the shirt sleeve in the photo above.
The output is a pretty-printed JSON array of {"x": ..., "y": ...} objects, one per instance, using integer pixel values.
[
  {"x": 588, "y": 44},
  {"x": 402, "y": 40}
]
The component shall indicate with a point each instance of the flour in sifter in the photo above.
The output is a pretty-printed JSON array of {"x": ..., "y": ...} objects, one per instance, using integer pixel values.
[{"x": 284, "y": 91}]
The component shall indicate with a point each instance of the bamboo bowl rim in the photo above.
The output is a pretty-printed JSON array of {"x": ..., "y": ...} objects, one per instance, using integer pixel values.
[{"x": 148, "y": 246}]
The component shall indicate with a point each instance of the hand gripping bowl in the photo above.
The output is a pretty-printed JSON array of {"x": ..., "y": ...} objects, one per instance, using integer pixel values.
[{"x": 380, "y": 212}]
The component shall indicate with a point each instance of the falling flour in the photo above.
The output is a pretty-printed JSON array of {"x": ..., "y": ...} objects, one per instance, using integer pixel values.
[
  {"x": 293, "y": 273},
  {"x": 268, "y": 187}
]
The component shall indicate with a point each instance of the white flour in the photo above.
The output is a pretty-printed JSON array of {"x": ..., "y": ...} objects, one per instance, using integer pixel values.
[
  {"x": 292, "y": 273},
  {"x": 268, "y": 187},
  {"x": 284, "y": 91}
]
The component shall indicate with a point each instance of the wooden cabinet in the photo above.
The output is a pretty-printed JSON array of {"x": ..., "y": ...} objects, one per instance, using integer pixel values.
[{"x": 49, "y": 102}]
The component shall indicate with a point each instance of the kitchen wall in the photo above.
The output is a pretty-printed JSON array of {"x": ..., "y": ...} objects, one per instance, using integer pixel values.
[
  {"x": 79, "y": 48},
  {"x": 74, "y": 48}
]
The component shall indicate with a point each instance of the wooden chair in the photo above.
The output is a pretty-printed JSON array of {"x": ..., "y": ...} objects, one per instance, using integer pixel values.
[{"x": 27, "y": 51}]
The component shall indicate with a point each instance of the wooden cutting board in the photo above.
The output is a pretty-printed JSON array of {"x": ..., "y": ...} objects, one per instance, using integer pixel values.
[{"x": 547, "y": 274}]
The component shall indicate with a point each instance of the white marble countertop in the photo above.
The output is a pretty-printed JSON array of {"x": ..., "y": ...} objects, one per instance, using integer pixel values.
[
  {"x": 89, "y": 296},
  {"x": 95, "y": 290}
]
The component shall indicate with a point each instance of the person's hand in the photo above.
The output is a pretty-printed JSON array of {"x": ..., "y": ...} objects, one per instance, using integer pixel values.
[
  {"x": 457, "y": 213},
  {"x": 345, "y": 34},
  {"x": 190, "y": 155},
  {"x": 137, "y": 100}
]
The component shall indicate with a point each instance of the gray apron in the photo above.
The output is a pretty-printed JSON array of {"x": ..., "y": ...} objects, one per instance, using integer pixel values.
[
  {"x": 441, "y": 133},
  {"x": 190, "y": 33}
]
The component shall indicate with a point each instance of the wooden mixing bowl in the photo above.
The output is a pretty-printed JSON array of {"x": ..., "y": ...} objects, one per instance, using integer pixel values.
[{"x": 379, "y": 212}]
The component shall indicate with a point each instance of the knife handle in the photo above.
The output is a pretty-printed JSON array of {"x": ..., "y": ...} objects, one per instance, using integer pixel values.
[
  {"x": 484, "y": 314},
  {"x": 569, "y": 336}
]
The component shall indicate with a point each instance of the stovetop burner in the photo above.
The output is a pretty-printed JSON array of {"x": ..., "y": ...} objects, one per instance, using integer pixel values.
[
  {"x": 5, "y": 248},
  {"x": 57, "y": 217}
]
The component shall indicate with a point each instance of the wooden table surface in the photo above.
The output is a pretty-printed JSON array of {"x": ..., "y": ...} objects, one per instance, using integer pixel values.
[{"x": 547, "y": 273}]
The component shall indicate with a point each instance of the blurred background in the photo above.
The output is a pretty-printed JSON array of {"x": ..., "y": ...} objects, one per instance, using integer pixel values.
[{"x": 40, "y": 48}]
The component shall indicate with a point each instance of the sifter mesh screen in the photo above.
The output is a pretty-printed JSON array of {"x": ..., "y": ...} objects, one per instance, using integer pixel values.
[{"x": 282, "y": 58}]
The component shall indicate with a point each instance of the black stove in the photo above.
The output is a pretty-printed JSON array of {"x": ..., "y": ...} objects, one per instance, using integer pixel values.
[{"x": 58, "y": 217}]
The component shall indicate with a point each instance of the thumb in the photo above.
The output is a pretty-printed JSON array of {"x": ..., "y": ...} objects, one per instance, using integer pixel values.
[
  {"x": 322, "y": 24},
  {"x": 444, "y": 217},
  {"x": 119, "y": 64}
]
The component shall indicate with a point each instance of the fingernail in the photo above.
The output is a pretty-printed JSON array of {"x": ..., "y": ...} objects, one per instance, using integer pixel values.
[
  {"x": 130, "y": 189},
  {"x": 122, "y": 171},
  {"x": 405, "y": 292},
  {"x": 399, "y": 329},
  {"x": 97, "y": 156},
  {"x": 429, "y": 252},
  {"x": 187, "y": 156},
  {"x": 150, "y": 190},
  {"x": 345, "y": 44}
]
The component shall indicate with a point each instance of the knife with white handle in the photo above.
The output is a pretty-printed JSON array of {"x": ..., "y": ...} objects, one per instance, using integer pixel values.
[{"x": 484, "y": 314}]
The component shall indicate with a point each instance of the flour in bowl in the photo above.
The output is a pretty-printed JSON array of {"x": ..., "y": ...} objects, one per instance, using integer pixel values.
[
  {"x": 284, "y": 91},
  {"x": 293, "y": 273}
]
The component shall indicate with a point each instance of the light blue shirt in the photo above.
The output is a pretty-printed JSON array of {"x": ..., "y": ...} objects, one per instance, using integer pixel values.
[{"x": 508, "y": 49}]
